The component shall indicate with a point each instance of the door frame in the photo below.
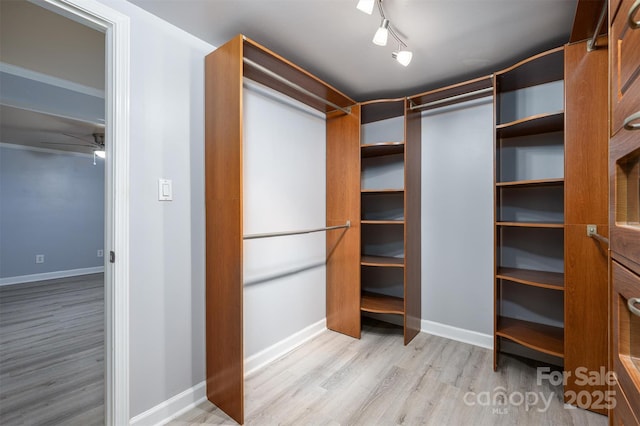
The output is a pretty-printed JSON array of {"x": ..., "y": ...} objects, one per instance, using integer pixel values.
[{"x": 116, "y": 27}]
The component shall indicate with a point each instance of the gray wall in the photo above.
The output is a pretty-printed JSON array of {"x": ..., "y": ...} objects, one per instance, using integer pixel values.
[
  {"x": 284, "y": 189},
  {"x": 457, "y": 216},
  {"x": 52, "y": 204},
  {"x": 166, "y": 322}
]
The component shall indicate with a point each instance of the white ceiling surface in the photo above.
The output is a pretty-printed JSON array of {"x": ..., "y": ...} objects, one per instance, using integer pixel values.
[
  {"x": 452, "y": 40},
  {"x": 37, "y": 40}
]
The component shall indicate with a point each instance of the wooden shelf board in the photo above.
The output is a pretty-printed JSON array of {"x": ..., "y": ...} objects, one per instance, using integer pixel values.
[
  {"x": 532, "y": 182},
  {"x": 532, "y": 224},
  {"x": 281, "y": 66},
  {"x": 397, "y": 262},
  {"x": 381, "y": 304},
  {"x": 382, "y": 222},
  {"x": 539, "y": 69},
  {"x": 544, "y": 279},
  {"x": 381, "y": 191},
  {"x": 381, "y": 148},
  {"x": 540, "y": 337},
  {"x": 541, "y": 123}
]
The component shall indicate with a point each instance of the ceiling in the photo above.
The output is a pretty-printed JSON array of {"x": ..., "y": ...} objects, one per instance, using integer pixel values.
[
  {"x": 53, "y": 72},
  {"x": 451, "y": 40}
]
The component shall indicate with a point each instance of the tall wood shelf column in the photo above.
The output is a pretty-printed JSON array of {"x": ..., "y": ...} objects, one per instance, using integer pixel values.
[
  {"x": 225, "y": 69},
  {"x": 390, "y": 212},
  {"x": 529, "y": 211}
]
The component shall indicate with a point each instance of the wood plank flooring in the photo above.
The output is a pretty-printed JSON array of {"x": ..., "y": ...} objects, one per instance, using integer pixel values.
[
  {"x": 337, "y": 380},
  {"x": 52, "y": 352}
]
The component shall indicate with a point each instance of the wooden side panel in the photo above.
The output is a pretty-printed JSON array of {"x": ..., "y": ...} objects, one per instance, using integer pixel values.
[
  {"x": 343, "y": 203},
  {"x": 586, "y": 202},
  {"x": 413, "y": 219},
  {"x": 223, "y": 188}
]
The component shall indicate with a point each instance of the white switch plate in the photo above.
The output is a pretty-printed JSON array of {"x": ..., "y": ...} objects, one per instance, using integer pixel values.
[
  {"x": 39, "y": 258},
  {"x": 165, "y": 190},
  {"x": 100, "y": 253}
]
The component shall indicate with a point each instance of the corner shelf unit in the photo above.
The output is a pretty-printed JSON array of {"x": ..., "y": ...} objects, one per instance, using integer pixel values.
[
  {"x": 529, "y": 208},
  {"x": 390, "y": 213}
]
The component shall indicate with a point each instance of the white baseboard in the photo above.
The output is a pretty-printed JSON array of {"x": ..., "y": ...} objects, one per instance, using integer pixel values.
[
  {"x": 185, "y": 401},
  {"x": 50, "y": 275},
  {"x": 172, "y": 407},
  {"x": 265, "y": 356},
  {"x": 458, "y": 334}
]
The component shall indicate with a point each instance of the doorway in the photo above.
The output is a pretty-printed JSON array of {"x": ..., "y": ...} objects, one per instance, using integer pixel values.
[{"x": 115, "y": 28}]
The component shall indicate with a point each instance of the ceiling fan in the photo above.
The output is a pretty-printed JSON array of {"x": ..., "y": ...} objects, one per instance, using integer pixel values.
[{"x": 95, "y": 141}]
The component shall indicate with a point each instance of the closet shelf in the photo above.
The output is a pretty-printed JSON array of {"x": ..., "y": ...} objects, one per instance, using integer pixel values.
[
  {"x": 396, "y": 262},
  {"x": 535, "y": 124},
  {"x": 381, "y": 304},
  {"x": 532, "y": 224},
  {"x": 382, "y": 148},
  {"x": 540, "y": 337},
  {"x": 382, "y": 191},
  {"x": 382, "y": 222},
  {"x": 532, "y": 182},
  {"x": 544, "y": 279}
]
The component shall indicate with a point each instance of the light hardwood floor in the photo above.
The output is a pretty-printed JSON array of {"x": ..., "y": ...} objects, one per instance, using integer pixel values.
[
  {"x": 52, "y": 352},
  {"x": 336, "y": 380}
]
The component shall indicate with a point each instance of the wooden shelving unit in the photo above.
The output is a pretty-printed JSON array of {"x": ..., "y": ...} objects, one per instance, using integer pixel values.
[
  {"x": 529, "y": 209},
  {"x": 390, "y": 206}
]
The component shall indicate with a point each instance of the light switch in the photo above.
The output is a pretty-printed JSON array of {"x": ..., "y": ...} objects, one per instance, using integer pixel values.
[{"x": 165, "y": 190}]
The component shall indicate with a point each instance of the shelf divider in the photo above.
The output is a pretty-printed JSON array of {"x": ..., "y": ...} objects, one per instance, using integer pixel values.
[
  {"x": 544, "y": 279},
  {"x": 381, "y": 304},
  {"x": 395, "y": 262},
  {"x": 540, "y": 337}
]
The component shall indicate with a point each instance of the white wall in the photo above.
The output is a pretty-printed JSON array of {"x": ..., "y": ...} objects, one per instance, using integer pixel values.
[
  {"x": 167, "y": 238},
  {"x": 284, "y": 189},
  {"x": 457, "y": 216}
]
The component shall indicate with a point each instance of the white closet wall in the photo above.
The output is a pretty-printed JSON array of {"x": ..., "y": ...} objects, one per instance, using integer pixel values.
[
  {"x": 457, "y": 216},
  {"x": 284, "y": 189}
]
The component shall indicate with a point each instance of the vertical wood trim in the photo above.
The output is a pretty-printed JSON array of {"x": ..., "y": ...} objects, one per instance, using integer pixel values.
[
  {"x": 413, "y": 218},
  {"x": 586, "y": 202},
  {"x": 496, "y": 237},
  {"x": 343, "y": 203},
  {"x": 223, "y": 189}
]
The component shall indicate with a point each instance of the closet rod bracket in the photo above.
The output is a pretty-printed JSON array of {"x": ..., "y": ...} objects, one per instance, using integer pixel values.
[
  {"x": 591, "y": 44},
  {"x": 592, "y": 231}
]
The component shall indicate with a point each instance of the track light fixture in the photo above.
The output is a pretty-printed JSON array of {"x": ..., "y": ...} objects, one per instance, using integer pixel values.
[{"x": 381, "y": 36}]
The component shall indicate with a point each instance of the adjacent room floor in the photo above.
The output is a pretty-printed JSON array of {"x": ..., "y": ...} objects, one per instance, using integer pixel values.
[
  {"x": 52, "y": 352},
  {"x": 336, "y": 380}
]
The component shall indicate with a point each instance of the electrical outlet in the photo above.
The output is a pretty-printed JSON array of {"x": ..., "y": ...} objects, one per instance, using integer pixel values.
[
  {"x": 100, "y": 253},
  {"x": 39, "y": 258}
]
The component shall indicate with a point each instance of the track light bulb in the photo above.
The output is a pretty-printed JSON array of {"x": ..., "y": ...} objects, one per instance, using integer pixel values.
[
  {"x": 380, "y": 38},
  {"x": 99, "y": 153},
  {"x": 366, "y": 6},
  {"x": 403, "y": 56}
]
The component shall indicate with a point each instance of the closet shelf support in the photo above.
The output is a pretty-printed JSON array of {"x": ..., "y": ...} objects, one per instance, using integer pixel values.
[
  {"x": 304, "y": 231},
  {"x": 281, "y": 79}
]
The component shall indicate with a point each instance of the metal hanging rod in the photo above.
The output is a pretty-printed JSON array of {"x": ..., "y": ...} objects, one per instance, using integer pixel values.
[
  {"x": 592, "y": 231},
  {"x": 294, "y": 86},
  {"x": 450, "y": 98},
  {"x": 591, "y": 44},
  {"x": 304, "y": 231}
]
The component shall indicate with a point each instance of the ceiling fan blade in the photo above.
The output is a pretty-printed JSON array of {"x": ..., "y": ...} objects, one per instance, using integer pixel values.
[{"x": 67, "y": 144}]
